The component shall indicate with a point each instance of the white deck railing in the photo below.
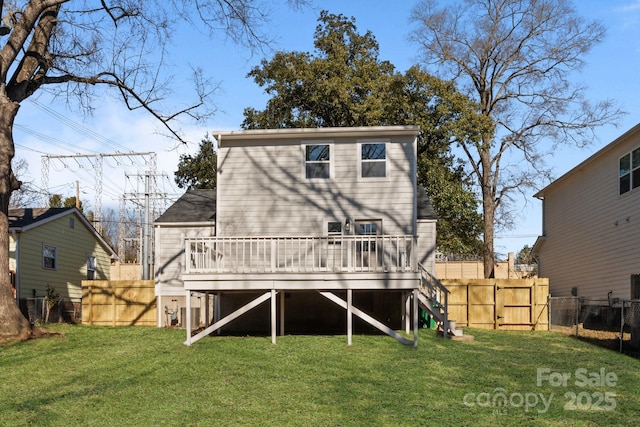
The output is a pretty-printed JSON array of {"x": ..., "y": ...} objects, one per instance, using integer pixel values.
[{"x": 244, "y": 255}]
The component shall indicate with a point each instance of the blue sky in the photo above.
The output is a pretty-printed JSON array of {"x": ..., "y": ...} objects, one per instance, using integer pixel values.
[{"x": 611, "y": 72}]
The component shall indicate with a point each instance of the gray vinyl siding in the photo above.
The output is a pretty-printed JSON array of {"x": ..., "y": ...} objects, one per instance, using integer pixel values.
[
  {"x": 427, "y": 244},
  {"x": 169, "y": 253},
  {"x": 73, "y": 245},
  {"x": 262, "y": 189},
  {"x": 592, "y": 234}
]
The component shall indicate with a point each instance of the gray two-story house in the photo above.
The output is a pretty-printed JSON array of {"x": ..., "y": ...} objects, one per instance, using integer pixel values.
[{"x": 323, "y": 224}]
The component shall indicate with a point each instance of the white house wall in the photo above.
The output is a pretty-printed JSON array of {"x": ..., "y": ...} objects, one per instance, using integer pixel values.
[
  {"x": 592, "y": 234},
  {"x": 170, "y": 257},
  {"x": 262, "y": 191}
]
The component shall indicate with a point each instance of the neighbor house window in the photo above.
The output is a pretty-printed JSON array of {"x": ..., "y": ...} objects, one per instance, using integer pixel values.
[
  {"x": 49, "y": 257},
  {"x": 317, "y": 161},
  {"x": 91, "y": 267},
  {"x": 629, "y": 171},
  {"x": 373, "y": 160}
]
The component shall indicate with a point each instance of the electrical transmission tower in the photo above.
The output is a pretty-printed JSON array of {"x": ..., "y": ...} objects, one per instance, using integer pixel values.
[
  {"x": 151, "y": 203},
  {"x": 96, "y": 167}
]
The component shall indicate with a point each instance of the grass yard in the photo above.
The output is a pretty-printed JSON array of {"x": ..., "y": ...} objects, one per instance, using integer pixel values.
[{"x": 94, "y": 376}]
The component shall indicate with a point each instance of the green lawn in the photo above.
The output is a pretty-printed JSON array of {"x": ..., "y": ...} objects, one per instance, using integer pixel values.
[{"x": 146, "y": 376}]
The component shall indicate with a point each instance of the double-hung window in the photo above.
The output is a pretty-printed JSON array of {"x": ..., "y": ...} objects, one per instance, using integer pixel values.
[
  {"x": 629, "y": 171},
  {"x": 317, "y": 161},
  {"x": 49, "y": 257},
  {"x": 91, "y": 267},
  {"x": 373, "y": 160}
]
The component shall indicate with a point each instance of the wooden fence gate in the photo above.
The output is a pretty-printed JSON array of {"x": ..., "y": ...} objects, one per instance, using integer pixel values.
[
  {"x": 118, "y": 302},
  {"x": 508, "y": 304}
]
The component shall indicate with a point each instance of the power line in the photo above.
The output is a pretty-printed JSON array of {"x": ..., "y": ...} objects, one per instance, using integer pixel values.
[{"x": 97, "y": 170}]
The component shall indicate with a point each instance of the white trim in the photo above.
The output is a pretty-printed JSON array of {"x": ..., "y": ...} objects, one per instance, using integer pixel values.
[
  {"x": 359, "y": 145},
  {"x": 304, "y": 146},
  {"x": 256, "y": 135}
]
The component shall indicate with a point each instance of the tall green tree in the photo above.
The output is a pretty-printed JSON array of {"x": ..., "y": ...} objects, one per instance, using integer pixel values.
[
  {"x": 514, "y": 59},
  {"x": 56, "y": 201},
  {"x": 344, "y": 83},
  {"x": 199, "y": 170},
  {"x": 72, "y": 47}
]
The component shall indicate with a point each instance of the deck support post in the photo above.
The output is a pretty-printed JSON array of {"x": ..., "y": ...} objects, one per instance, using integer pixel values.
[
  {"x": 220, "y": 323},
  {"x": 206, "y": 309},
  {"x": 273, "y": 316},
  {"x": 406, "y": 311},
  {"x": 364, "y": 316},
  {"x": 187, "y": 326},
  {"x": 349, "y": 316},
  {"x": 415, "y": 317}
]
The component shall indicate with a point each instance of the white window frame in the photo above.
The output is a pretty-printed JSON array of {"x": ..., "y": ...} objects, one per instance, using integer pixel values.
[
  {"x": 91, "y": 267},
  {"x": 361, "y": 161},
  {"x": 334, "y": 233},
  {"x": 46, "y": 247},
  {"x": 330, "y": 161},
  {"x": 633, "y": 183}
]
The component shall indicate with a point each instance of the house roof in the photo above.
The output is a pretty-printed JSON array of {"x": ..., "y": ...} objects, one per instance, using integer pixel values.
[
  {"x": 22, "y": 220},
  {"x": 257, "y": 135},
  {"x": 600, "y": 153},
  {"x": 200, "y": 206},
  {"x": 193, "y": 206},
  {"x": 425, "y": 208}
]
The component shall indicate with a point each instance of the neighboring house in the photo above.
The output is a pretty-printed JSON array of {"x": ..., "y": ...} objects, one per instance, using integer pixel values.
[
  {"x": 591, "y": 224},
  {"x": 55, "y": 248},
  {"x": 321, "y": 222}
]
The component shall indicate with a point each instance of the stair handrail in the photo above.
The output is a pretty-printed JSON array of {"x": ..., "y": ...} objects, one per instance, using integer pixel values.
[{"x": 434, "y": 286}]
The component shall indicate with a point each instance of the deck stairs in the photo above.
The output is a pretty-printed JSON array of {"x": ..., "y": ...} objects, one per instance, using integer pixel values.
[{"x": 433, "y": 297}]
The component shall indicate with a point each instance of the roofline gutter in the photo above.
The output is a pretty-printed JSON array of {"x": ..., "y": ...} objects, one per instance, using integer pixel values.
[{"x": 328, "y": 132}]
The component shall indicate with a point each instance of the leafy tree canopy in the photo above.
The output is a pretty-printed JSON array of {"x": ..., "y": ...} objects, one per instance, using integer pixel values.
[
  {"x": 514, "y": 58},
  {"x": 198, "y": 171},
  {"x": 344, "y": 83}
]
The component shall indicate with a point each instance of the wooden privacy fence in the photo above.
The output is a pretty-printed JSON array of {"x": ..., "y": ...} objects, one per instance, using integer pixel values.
[
  {"x": 118, "y": 303},
  {"x": 508, "y": 304}
]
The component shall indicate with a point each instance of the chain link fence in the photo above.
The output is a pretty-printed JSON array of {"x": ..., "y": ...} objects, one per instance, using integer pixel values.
[
  {"x": 58, "y": 310},
  {"x": 587, "y": 317}
]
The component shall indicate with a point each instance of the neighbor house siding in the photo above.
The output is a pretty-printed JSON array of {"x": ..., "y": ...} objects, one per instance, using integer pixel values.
[
  {"x": 73, "y": 245},
  {"x": 262, "y": 190},
  {"x": 592, "y": 234}
]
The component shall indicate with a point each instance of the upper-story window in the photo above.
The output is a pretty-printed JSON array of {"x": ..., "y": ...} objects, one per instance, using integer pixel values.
[
  {"x": 373, "y": 160},
  {"x": 629, "y": 171},
  {"x": 317, "y": 161}
]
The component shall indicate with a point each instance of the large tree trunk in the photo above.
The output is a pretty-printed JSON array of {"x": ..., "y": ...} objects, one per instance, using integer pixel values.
[
  {"x": 488, "y": 211},
  {"x": 12, "y": 323}
]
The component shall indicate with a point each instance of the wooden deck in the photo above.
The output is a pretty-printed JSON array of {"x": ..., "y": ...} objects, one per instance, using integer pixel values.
[{"x": 289, "y": 263}]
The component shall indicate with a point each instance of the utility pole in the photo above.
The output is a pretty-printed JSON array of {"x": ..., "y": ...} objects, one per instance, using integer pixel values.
[
  {"x": 147, "y": 233},
  {"x": 147, "y": 196}
]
